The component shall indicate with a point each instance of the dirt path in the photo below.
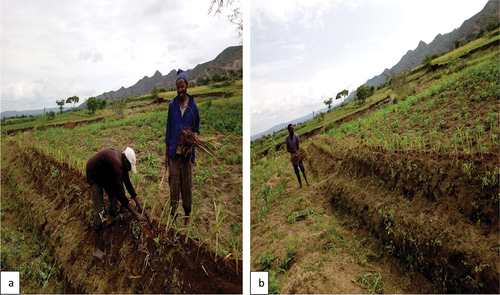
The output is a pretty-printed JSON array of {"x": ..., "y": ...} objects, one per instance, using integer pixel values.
[
  {"x": 405, "y": 220},
  {"x": 60, "y": 204},
  {"x": 331, "y": 251}
]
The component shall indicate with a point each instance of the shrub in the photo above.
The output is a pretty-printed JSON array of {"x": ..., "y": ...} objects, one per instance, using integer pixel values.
[
  {"x": 321, "y": 117},
  {"x": 329, "y": 126},
  {"x": 492, "y": 26},
  {"x": 50, "y": 115}
]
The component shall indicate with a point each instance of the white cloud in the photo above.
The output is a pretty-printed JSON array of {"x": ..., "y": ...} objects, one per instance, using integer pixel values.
[
  {"x": 101, "y": 45},
  {"x": 308, "y": 13},
  {"x": 296, "y": 47},
  {"x": 87, "y": 54},
  {"x": 40, "y": 93},
  {"x": 266, "y": 69},
  {"x": 342, "y": 44}
]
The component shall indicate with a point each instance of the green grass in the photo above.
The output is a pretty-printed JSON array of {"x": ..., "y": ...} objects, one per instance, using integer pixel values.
[
  {"x": 144, "y": 131},
  {"x": 425, "y": 129},
  {"x": 107, "y": 114},
  {"x": 23, "y": 249},
  {"x": 451, "y": 112}
]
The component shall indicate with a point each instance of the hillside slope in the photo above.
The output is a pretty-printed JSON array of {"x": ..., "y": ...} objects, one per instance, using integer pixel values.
[
  {"x": 442, "y": 43},
  {"x": 46, "y": 200},
  {"x": 230, "y": 58},
  {"x": 404, "y": 195}
]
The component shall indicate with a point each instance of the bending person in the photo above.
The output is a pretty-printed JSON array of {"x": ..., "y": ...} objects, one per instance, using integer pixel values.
[{"x": 108, "y": 170}]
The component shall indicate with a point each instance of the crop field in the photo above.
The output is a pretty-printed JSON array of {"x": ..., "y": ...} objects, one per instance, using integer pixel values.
[
  {"x": 404, "y": 194},
  {"x": 47, "y": 208}
]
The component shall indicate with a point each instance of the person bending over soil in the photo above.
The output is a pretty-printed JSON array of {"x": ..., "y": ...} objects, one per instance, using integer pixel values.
[{"x": 108, "y": 170}]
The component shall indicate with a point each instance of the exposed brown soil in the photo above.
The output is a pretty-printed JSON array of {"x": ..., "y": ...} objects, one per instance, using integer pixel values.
[
  {"x": 62, "y": 208},
  {"x": 158, "y": 101},
  {"x": 215, "y": 94},
  {"x": 332, "y": 249},
  {"x": 435, "y": 217},
  {"x": 69, "y": 125}
]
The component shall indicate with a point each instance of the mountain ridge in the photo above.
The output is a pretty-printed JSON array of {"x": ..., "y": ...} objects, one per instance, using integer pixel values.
[
  {"x": 230, "y": 58},
  {"x": 442, "y": 43},
  {"x": 413, "y": 58}
]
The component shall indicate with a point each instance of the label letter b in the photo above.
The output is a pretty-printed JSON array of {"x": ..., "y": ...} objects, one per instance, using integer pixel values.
[{"x": 261, "y": 283}]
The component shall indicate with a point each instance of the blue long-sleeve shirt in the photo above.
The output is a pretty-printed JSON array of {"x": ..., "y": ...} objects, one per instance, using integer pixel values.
[{"x": 176, "y": 122}]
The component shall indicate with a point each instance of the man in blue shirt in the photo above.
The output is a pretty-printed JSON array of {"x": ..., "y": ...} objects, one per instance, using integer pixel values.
[{"x": 182, "y": 114}]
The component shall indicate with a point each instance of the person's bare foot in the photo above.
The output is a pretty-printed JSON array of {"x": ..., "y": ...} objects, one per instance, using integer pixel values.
[{"x": 112, "y": 219}]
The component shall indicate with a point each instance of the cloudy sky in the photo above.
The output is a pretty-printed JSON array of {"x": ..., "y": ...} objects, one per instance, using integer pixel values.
[
  {"x": 303, "y": 52},
  {"x": 54, "y": 49}
]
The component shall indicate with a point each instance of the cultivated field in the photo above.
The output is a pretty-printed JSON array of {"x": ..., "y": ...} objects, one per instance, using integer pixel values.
[
  {"x": 47, "y": 205},
  {"x": 405, "y": 188}
]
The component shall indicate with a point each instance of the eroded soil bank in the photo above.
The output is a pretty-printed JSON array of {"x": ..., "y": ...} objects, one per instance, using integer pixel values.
[
  {"x": 438, "y": 214},
  {"x": 139, "y": 257}
]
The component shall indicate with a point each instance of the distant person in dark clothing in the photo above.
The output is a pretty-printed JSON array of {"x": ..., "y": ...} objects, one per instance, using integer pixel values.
[
  {"x": 108, "y": 170},
  {"x": 182, "y": 114},
  {"x": 292, "y": 146}
]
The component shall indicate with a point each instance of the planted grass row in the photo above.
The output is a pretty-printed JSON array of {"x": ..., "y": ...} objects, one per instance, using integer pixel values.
[{"x": 384, "y": 127}]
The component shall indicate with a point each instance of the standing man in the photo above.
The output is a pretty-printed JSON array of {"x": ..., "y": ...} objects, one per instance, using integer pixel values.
[
  {"x": 182, "y": 114},
  {"x": 292, "y": 146},
  {"x": 108, "y": 170}
]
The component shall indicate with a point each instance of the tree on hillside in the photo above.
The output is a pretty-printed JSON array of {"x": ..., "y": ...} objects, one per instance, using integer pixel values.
[
  {"x": 101, "y": 103},
  {"x": 92, "y": 105},
  {"x": 50, "y": 115},
  {"x": 60, "y": 103},
  {"x": 491, "y": 26},
  {"x": 216, "y": 77},
  {"x": 329, "y": 102},
  {"x": 74, "y": 100},
  {"x": 399, "y": 84},
  {"x": 361, "y": 94},
  {"x": 118, "y": 105},
  {"x": 342, "y": 94},
  {"x": 427, "y": 60}
]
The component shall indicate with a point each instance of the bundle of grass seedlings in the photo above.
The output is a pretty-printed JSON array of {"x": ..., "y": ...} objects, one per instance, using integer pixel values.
[
  {"x": 190, "y": 140},
  {"x": 300, "y": 155}
]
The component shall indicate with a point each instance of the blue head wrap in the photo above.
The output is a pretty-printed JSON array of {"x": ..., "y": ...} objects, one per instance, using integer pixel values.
[{"x": 181, "y": 75}]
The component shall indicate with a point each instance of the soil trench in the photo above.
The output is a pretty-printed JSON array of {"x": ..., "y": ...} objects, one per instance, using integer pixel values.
[
  {"x": 428, "y": 210},
  {"x": 139, "y": 257}
]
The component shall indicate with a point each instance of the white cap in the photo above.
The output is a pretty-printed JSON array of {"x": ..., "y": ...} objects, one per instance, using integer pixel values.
[{"x": 130, "y": 154}]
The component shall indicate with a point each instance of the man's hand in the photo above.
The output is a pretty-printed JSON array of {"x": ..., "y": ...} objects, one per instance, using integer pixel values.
[
  {"x": 137, "y": 204},
  {"x": 140, "y": 217},
  {"x": 137, "y": 215}
]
